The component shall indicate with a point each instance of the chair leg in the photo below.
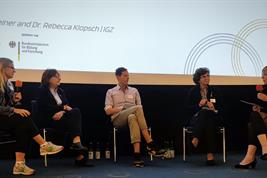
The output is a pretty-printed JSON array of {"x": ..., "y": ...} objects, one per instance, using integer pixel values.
[
  {"x": 150, "y": 133},
  {"x": 114, "y": 145},
  {"x": 224, "y": 156},
  {"x": 45, "y": 156},
  {"x": 184, "y": 131}
]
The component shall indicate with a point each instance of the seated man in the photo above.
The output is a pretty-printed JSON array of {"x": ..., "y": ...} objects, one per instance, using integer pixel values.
[{"x": 123, "y": 103}]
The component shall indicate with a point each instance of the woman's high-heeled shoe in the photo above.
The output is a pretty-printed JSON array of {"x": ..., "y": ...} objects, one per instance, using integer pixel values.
[{"x": 251, "y": 165}]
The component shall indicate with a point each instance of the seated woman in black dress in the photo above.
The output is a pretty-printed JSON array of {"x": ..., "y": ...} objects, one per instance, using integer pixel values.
[
  {"x": 54, "y": 106},
  {"x": 257, "y": 128},
  {"x": 205, "y": 103},
  {"x": 18, "y": 121}
]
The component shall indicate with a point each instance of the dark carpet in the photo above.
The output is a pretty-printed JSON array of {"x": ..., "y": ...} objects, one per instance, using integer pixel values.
[{"x": 169, "y": 168}]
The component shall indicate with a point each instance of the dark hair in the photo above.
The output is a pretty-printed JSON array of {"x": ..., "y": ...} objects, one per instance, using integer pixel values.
[
  {"x": 47, "y": 75},
  {"x": 119, "y": 71},
  {"x": 263, "y": 71},
  {"x": 198, "y": 73}
]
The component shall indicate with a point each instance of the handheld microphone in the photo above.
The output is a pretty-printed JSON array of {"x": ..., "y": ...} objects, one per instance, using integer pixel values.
[
  {"x": 18, "y": 85},
  {"x": 259, "y": 88}
]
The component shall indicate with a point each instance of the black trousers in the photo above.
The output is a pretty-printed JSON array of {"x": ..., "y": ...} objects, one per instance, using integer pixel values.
[
  {"x": 70, "y": 123},
  {"x": 22, "y": 128},
  {"x": 205, "y": 128},
  {"x": 256, "y": 127}
]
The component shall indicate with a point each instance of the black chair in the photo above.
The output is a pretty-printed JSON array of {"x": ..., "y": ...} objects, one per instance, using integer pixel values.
[
  {"x": 115, "y": 130},
  {"x": 189, "y": 130},
  {"x": 7, "y": 142},
  {"x": 6, "y": 138}
]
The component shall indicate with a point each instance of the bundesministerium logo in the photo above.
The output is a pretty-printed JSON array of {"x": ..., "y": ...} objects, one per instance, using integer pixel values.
[{"x": 12, "y": 44}]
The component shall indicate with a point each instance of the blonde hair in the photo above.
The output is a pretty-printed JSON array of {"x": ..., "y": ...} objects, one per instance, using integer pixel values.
[{"x": 4, "y": 62}]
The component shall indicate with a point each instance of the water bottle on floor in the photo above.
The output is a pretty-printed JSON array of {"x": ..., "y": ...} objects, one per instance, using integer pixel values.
[
  {"x": 107, "y": 151},
  {"x": 91, "y": 151},
  {"x": 97, "y": 151}
]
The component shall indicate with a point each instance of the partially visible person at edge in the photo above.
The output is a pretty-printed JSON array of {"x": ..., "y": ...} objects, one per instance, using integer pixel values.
[
  {"x": 204, "y": 103},
  {"x": 123, "y": 104},
  {"x": 57, "y": 113},
  {"x": 257, "y": 128},
  {"x": 18, "y": 121}
]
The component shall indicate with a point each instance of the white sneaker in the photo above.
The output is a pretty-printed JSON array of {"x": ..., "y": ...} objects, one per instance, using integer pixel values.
[
  {"x": 50, "y": 148},
  {"x": 22, "y": 169}
]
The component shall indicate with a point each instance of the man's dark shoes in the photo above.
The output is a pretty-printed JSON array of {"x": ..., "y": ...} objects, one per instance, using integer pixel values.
[
  {"x": 138, "y": 162},
  {"x": 153, "y": 150},
  {"x": 78, "y": 147}
]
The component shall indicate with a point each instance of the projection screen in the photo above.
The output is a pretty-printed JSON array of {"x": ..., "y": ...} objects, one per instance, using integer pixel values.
[{"x": 159, "y": 41}]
